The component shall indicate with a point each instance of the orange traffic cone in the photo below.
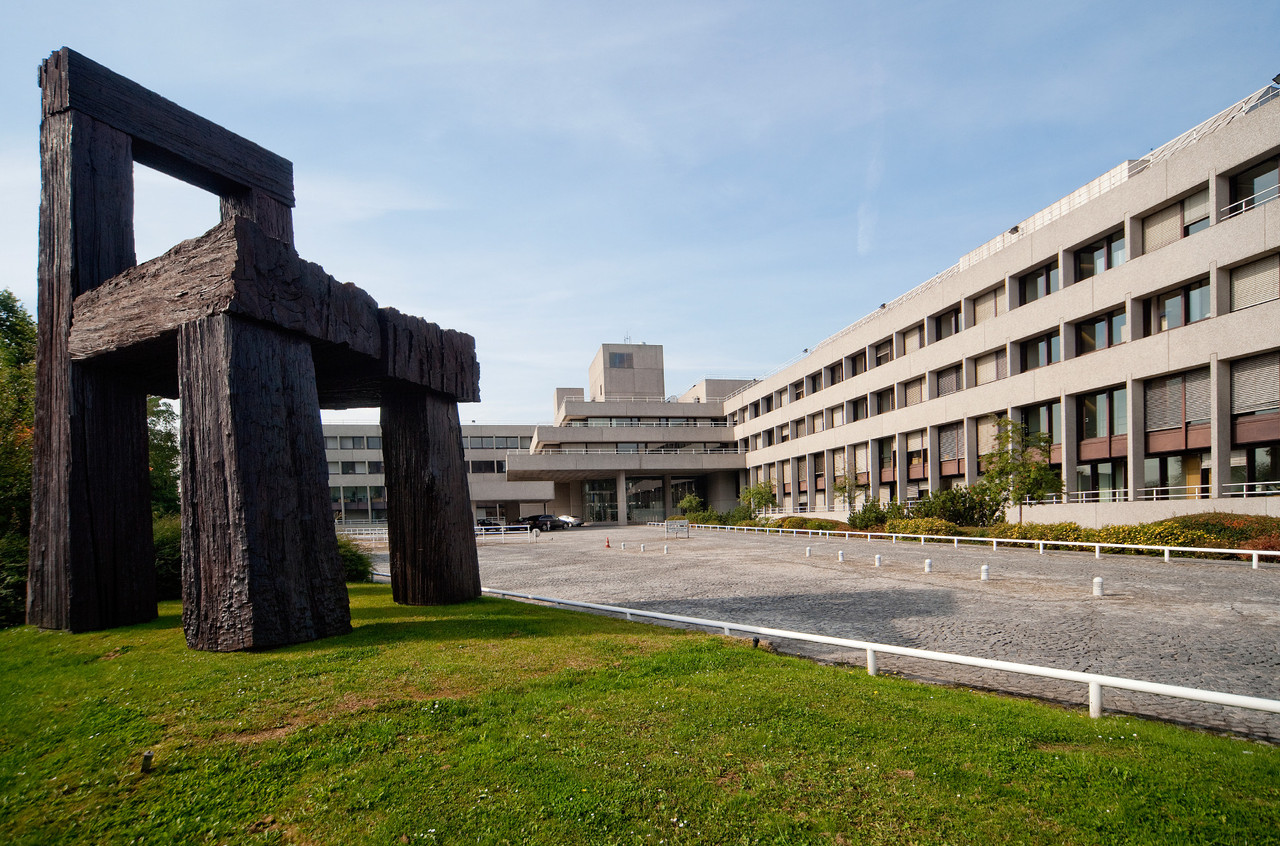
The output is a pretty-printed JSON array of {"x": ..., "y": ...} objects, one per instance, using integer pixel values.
[{"x": 606, "y": 542}]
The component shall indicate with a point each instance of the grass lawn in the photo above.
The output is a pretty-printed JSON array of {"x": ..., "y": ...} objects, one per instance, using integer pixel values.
[{"x": 498, "y": 722}]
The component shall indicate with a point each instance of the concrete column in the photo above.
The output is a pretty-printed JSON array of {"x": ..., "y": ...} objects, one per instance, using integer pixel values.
[
  {"x": 1219, "y": 196},
  {"x": 666, "y": 496},
  {"x": 1220, "y": 424},
  {"x": 622, "y": 498},
  {"x": 1011, "y": 294},
  {"x": 1219, "y": 290},
  {"x": 873, "y": 470},
  {"x": 1067, "y": 268},
  {"x": 1070, "y": 442},
  {"x": 1132, "y": 237},
  {"x": 901, "y": 470},
  {"x": 971, "y": 450},
  {"x": 934, "y": 463},
  {"x": 1137, "y": 436}
]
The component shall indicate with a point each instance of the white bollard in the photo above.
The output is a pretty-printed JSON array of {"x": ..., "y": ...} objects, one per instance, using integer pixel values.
[
  {"x": 871, "y": 662},
  {"x": 642, "y": 547},
  {"x": 1166, "y": 555},
  {"x": 840, "y": 555},
  {"x": 895, "y": 538},
  {"x": 922, "y": 540},
  {"x": 1097, "y": 551},
  {"x": 928, "y": 565},
  {"x": 877, "y": 560},
  {"x": 1097, "y": 585},
  {"x": 1095, "y": 700},
  {"x": 986, "y": 573},
  {"x": 664, "y": 549},
  {"x": 624, "y": 544},
  {"x": 807, "y": 550},
  {"x": 1255, "y": 561},
  {"x": 1042, "y": 547}
]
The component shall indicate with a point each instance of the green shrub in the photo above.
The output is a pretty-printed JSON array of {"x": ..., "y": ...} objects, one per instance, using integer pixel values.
[
  {"x": 740, "y": 516},
  {"x": 1039, "y": 531},
  {"x": 13, "y": 579},
  {"x": 356, "y": 563},
  {"x": 820, "y": 525},
  {"x": 706, "y": 518},
  {"x": 1233, "y": 531},
  {"x": 921, "y": 526},
  {"x": 166, "y": 532},
  {"x": 962, "y": 506},
  {"x": 794, "y": 523},
  {"x": 1163, "y": 533},
  {"x": 872, "y": 515}
]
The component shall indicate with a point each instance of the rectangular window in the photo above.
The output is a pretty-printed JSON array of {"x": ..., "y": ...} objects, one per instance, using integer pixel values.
[
  {"x": 1179, "y": 307},
  {"x": 860, "y": 409},
  {"x": 913, "y": 392},
  {"x": 330, "y": 442},
  {"x": 947, "y": 324},
  {"x": 1040, "y": 352},
  {"x": 1101, "y": 255},
  {"x": 885, "y": 401},
  {"x": 622, "y": 361},
  {"x": 859, "y": 363},
  {"x": 353, "y": 442},
  {"x": 1103, "y": 414},
  {"x": 1254, "y": 187},
  {"x": 884, "y": 353},
  {"x": 1255, "y": 283},
  {"x": 1175, "y": 222},
  {"x": 987, "y": 306},
  {"x": 628, "y": 449},
  {"x": 375, "y": 466},
  {"x": 1177, "y": 400},
  {"x": 1044, "y": 419},
  {"x": 1098, "y": 333},
  {"x": 951, "y": 442},
  {"x": 835, "y": 373},
  {"x": 950, "y": 380},
  {"x": 837, "y": 415},
  {"x": 335, "y": 468},
  {"x": 1255, "y": 385},
  {"x": 351, "y": 468},
  {"x": 912, "y": 339},
  {"x": 483, "y": 467},
  {"x": 988, "y": 429},
  {"x": 373, "y": 442},
  {"x": 815, "y": 382},
  {"x": 526, "y": 442},
  {"x": 990, "y": 367},
  {"x": 1039, "y": 283}
]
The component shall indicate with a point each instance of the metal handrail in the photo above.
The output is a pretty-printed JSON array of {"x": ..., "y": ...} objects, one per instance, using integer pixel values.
[
  {"x": 644, "y": 424},
  {"x": 894, "y": 537},
  {"x": 1264, "y": 196},
  {"x": 700, "y": 451},
  {"x": 1247, "y": 489},
  {"x": 1095, "y": 681},
  {"x": 1175, "y": 492}
]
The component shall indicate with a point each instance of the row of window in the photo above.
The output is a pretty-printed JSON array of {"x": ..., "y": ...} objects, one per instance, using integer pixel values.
[
  {"x": 354, "y": 468},
  {"x": 352, "y": 442},
  {"x": 496, "y": 442},
  {"x": 1258, "y": 184}
]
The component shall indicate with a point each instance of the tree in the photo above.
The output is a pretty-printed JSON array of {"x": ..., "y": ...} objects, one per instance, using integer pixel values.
[
  {"x": 758, "y": 496},
  {"x": 1019, "y": 467},
  {"x": 847, "y": 490},
  {"x": 690, "y": 503},
  {"x": 17, "y": 417},
  {"x": 162, "y": 449}
]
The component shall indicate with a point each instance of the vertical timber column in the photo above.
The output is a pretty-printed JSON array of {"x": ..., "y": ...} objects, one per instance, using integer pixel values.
[
  {"x": 429, "y": 523},
  {"x": 260, "y": 563},
  {"x": 91, "y": 563}
]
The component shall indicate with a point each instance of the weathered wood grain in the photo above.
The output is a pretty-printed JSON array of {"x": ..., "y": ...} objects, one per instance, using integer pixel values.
[
  {"x": 432, "y": 545},
  {"x": 260, "y": 563},
  {"x": 235, "y": 267},
  {"x": 166, "y": 136},
  {"x": 91, "y": 558},
  {"x": 422, "y": 353}
]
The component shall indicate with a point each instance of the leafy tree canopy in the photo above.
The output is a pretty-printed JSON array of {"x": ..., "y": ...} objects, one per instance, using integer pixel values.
[{"x": 1018, "y": 468}]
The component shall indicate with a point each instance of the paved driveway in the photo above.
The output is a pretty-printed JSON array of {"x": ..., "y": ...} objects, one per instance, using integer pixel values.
[{"x": 1210, "y": 625}]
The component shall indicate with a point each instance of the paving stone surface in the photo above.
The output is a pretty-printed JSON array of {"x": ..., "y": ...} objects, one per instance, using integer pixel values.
[{"x": 1213, "y": 625}]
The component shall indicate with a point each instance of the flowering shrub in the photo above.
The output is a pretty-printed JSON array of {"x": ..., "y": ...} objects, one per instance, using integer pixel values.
[
  {"x": 1039, "y": 531},
  {"x": 921, "y": 526}
]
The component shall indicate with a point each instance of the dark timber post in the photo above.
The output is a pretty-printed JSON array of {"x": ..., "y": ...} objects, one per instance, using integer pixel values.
[
  {"x": 92, "y": 562},
  {"x": 430, "y": 538},
  {"x": 259, "y": 555}
]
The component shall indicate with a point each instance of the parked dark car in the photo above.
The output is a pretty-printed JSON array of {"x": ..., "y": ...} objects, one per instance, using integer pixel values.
[{"x": 543, "y": 522}]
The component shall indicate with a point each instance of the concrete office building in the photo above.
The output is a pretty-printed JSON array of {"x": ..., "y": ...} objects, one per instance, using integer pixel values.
[
  {"x": 1136, "y": 321},
  {"x": 357, "y": 486},
  {"x": 625, "y": 452}
]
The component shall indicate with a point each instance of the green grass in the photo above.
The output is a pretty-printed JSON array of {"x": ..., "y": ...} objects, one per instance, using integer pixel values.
[{"x": 497, "y": 722}]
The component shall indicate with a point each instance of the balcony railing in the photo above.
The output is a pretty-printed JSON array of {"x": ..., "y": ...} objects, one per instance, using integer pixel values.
[
  {"x": 1251, "y": 489},
  {"x": 646, "y": 424},
  {"x": 1175, "y": 492},
  {"x": 1266, "y": 195},
  {"x": 591, "y": 451}
]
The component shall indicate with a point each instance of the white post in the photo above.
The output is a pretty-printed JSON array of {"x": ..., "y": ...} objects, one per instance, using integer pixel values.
[
  {"x": 642, "y": 547},
  {"x": 1097, "y": 585},
  {"x": 928, "y": 565},
  {"x": 840, "y": 555},
  {"x": 1255, "y": 561},
  {"x": 1042, "y": 547},
  {"x": 871, "y": 662},
  {"x": 624, "y": 544},
  {"x": 1166, "y": 555},
  {"x": 1095, "y": 700},
  {"x": 807, "y": 550},
  {"x": 877, "y": 560},
  {"x": 1097, "y": 551},
  {"x": 664, "y": 549},
  {"x": 986, "y": 573}
]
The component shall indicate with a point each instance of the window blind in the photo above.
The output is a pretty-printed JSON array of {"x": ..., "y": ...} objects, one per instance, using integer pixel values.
[
  {"x": 986, "y": 306},
  {"x": 1162, "y": 228},
  {"x": 1255, "y": 384},
  {"x": 914, "y": 391},
  {"x": 1195, "y": 207},
  {"x": 948, "y": 381},
  {"x": 915, "y": 441},
  {"x": 1256, "y": 282},
  {"x": 1163, "y": 403},
  {"x": 912, "y": 339},
  {"x": 987, "y": 429}
]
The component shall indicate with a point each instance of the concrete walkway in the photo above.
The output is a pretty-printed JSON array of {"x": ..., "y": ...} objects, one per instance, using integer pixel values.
[{"x": 1204, "y": 624}]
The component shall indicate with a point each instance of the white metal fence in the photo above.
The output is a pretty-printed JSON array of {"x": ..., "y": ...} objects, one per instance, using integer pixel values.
[
  {"x": 1255, "y": 555},
  {"x": 1096, "y": 682}
]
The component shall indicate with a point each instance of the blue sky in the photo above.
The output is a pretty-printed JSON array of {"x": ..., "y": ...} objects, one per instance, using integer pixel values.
[{"x": 733, "y": 180}]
